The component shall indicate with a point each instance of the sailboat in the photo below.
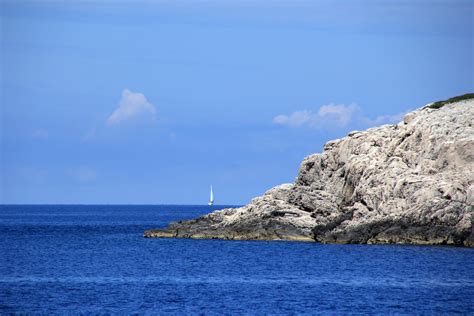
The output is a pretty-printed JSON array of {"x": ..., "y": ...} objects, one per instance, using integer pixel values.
[{"x": 211, "y": 198}]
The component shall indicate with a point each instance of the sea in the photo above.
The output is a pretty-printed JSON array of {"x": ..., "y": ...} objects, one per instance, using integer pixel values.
[{"x": 93, "y": 259}]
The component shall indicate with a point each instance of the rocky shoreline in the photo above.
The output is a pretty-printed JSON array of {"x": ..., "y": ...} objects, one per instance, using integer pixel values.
[{"x": 408, "y": 183}]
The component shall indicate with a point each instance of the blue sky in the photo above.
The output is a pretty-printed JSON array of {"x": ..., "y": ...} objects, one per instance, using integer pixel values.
[{"x": 151, "y": 102}]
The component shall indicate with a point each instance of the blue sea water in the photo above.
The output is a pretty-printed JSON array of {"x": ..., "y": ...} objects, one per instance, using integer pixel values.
[{"x": 93, "y": 259}]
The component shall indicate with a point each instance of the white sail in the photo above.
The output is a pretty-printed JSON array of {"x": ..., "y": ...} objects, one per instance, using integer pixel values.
[{"x": 211, "y": 198}]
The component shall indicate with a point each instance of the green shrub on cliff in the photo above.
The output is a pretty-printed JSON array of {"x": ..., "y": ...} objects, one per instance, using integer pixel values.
[{"x": 440, "y": 104}]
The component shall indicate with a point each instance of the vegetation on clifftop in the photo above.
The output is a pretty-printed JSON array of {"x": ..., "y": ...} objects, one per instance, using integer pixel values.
[{"x": 440, "y": 104}]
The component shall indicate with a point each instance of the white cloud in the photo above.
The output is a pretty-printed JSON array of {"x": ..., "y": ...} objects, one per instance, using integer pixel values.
[
  {"x": 331, "y": 114},
  {"x": 339, "y": 113},
  {"x": 387, "y": 119},
  {"x": 295, "y": 119},
  {"x": 131, "y": 105},
  {"x": 40, "y": 134}
]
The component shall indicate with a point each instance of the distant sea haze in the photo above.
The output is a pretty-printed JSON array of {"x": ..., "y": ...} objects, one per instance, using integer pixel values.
[{"x": 94, "y": 259}]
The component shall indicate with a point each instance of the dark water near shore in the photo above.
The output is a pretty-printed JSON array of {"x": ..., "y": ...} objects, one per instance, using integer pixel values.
[{"x": 93, "y": 259}]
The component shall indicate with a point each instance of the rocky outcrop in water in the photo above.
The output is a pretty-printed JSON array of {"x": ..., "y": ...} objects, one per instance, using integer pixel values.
[{"x": 412, "y": 182}]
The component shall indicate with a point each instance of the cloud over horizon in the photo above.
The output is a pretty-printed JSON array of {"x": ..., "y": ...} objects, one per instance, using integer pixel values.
[
  {"x": 387, "y": 119},
  {"x": 338, "y": 114},
  {"x": 131, "y": 105}
]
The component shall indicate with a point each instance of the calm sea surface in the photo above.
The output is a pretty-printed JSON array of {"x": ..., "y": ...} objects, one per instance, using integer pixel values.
[{"x": 93, "y": 259}]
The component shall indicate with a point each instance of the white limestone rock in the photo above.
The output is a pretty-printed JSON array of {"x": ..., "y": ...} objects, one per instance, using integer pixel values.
[{"x": 407, "y": 183}]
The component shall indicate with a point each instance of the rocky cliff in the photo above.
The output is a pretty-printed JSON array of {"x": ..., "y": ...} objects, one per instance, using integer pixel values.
[{"x": 412, "y": 182}]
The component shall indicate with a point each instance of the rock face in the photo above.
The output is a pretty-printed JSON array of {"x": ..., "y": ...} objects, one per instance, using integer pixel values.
[{"x": 407, "y": 183}]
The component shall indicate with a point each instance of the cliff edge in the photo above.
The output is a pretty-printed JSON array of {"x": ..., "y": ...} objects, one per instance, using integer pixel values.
[{"x": 412, "y": 182}]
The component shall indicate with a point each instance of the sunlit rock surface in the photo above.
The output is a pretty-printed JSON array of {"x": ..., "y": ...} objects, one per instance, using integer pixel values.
[{"x": 407, "y": 183}]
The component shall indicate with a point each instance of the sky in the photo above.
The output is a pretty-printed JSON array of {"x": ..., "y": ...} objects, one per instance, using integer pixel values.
[{"x": 151, "y": 102}]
